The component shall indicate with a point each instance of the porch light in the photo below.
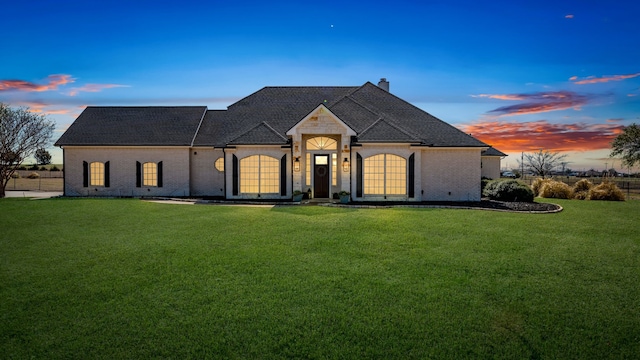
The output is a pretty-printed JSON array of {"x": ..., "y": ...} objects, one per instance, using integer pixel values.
[
  {"x": 345, "y": 165},
  {"x": 296, "y": 165}
]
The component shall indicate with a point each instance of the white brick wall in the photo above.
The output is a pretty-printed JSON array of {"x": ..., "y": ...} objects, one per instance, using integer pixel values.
[
  {"x": 122, "y": 161},
  {"x": 205, "y": 179},
  {"x": 491, "y": 167},
  {"x": 451, "y": 174}
]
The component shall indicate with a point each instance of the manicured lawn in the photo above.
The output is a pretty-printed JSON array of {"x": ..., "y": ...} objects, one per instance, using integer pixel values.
[{"x": 84, "y": 278}]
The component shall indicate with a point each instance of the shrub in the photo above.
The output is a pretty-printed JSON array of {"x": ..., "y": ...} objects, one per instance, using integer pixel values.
[
  {"x": 42, "y": 168},
  {"x": 484, "y": 182},
  {"x": 508, "y": 190},
  {"x": 581, "y": 189},
  {"x": 33, "y": 167},
  {"x": 21, "y": 167},
  {"x": 54, "y": 168},
  {"x": 33, "y": 175},
  {"x": 556, "y": 190},
  {"x": 537, "y": 185},
  {"x": 606, "y": 191},
  {"x": 15, "y": 175}
]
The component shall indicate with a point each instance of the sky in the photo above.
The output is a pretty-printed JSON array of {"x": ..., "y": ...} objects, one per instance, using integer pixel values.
[{"x": 519, "y": 75}]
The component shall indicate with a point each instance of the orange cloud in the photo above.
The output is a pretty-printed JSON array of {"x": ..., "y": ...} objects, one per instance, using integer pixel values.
[
  {"x": 534, "y": 135},
  {"x": 602, "y": 79},
  {"x": 93, "y": 88},
  {"x": 21, "y": 85},
  {"x": 501, "y": 96},
  {"x": 538, "y": 102}
]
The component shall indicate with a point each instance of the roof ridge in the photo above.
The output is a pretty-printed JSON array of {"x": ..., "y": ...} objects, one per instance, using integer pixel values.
[
  {"x": 393, "y": 125},
  {"x": 204, "y": 113},
  {"x": 274, "y": 131}
]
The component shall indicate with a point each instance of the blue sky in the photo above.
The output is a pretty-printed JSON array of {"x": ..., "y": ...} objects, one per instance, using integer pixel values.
[{"x": 519, "y": 75}]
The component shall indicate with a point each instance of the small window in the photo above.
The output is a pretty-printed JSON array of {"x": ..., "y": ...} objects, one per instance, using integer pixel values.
[
  {"x": 149, "y": 174},
  {"x": 96, "y": 174},
  {"x": 219, "y": 164}
]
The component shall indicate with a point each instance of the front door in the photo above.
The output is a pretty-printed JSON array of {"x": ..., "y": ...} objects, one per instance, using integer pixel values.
[{"x": 321, "y": 176}]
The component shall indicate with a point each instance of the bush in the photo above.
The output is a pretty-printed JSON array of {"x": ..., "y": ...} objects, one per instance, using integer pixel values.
[
  {"x": 484, "y": 182},
  {"x": 21, "y": 167},
  {"x": 15, "y": 175},
  {"x": 33, "y": 175},
  {"x": 42, "y": 168},
  {"x": 556, "y": 190},
  {"x": 54, "y": 168},
  {"x": 606, "y": 191},
  {"x": 33, "y": 167},
  {"x": 508, "y": 190},
  {"x": 581, "y": 189},
  {"x": 537, "y": 185}
]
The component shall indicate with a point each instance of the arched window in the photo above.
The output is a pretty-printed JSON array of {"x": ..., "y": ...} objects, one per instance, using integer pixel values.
[
  {"x": 322, "y": 143},
  {"x": 96, "y": 174},
  {"x": 259, "y": 174},
  {"x": 385, "y": 174}
]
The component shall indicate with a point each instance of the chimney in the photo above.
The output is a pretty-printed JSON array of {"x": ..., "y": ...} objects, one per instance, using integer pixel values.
[{"x": 384, "y": 84}]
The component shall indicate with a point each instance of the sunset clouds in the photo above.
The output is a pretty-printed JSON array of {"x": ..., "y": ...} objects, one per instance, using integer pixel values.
[
  {"x": 537, "y": 102},
  {"x": 52, "y": 83},
  {"x": 542, "y": 134},
  {"x": 601, "y": 79}
]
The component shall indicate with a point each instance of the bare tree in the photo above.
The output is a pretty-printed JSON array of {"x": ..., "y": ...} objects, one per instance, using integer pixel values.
[
  {"x": 542, "y": 162},
  {"x": 21, "y": 134}
]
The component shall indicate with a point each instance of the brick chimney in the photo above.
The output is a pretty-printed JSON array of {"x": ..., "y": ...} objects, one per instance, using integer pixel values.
[{"x": 384, "y": 84}]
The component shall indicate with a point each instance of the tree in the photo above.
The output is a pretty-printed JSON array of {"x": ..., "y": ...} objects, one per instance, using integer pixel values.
[
  {"x": 21, "y": 134},
  {"x": 542, "y": 162},
  {"x": 627, "y": 144},
  {"x": 42, "y": 157}
]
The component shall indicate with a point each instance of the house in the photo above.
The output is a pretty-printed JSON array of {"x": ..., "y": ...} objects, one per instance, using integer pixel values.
[
  {"x": 490, "y": 163},
  {"x": 325, "y": 139}
]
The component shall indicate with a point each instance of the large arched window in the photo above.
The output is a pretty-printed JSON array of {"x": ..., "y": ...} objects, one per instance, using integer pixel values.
[
  {"x": 259, "y": 174},
  {"x": 385, "y": 174},
  {"x": 321, "y": 143}
]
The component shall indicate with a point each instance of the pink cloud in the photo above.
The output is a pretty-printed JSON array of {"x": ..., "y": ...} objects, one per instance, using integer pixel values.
[
  {"x": 541, "y": 134},
  {"x": 602, "y": 79},
  {"x": 21, "y": 85},
  {"x": 568, "y": 16},
  {"x": 538, "y": 102}
]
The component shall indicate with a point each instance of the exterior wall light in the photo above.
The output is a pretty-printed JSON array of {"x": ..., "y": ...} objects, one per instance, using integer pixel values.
[
  {"x": 296, "y": 164},
  {"x": 345, "y": 165}
]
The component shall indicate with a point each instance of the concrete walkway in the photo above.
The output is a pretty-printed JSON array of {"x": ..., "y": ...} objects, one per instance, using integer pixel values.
[{"x": 33, "y": 194}]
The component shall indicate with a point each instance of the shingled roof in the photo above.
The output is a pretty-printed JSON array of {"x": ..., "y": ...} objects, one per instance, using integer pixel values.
[
  {"x": 264, "y": 117},
  {"x": 135, "y": 126}
]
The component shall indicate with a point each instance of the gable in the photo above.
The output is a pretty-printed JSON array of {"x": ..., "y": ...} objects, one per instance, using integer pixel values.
[{"x": 321, "y": 121}]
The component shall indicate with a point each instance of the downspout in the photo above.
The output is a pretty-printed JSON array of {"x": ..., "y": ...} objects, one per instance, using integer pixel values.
[{"x": 224, "y": 156}]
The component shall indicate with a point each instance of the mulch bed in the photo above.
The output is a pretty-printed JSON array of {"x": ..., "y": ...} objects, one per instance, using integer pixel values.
[{"x": 533, "y": 207}]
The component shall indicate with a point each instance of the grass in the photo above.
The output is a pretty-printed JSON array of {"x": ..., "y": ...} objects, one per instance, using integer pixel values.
[{"x": 122, "y": 278}]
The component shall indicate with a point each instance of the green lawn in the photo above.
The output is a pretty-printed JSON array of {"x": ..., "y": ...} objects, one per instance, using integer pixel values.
[{"x": 123, "y": 278}]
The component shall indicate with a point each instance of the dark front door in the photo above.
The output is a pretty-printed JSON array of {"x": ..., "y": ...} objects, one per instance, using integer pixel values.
[{"x": 321, "y": 176}]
